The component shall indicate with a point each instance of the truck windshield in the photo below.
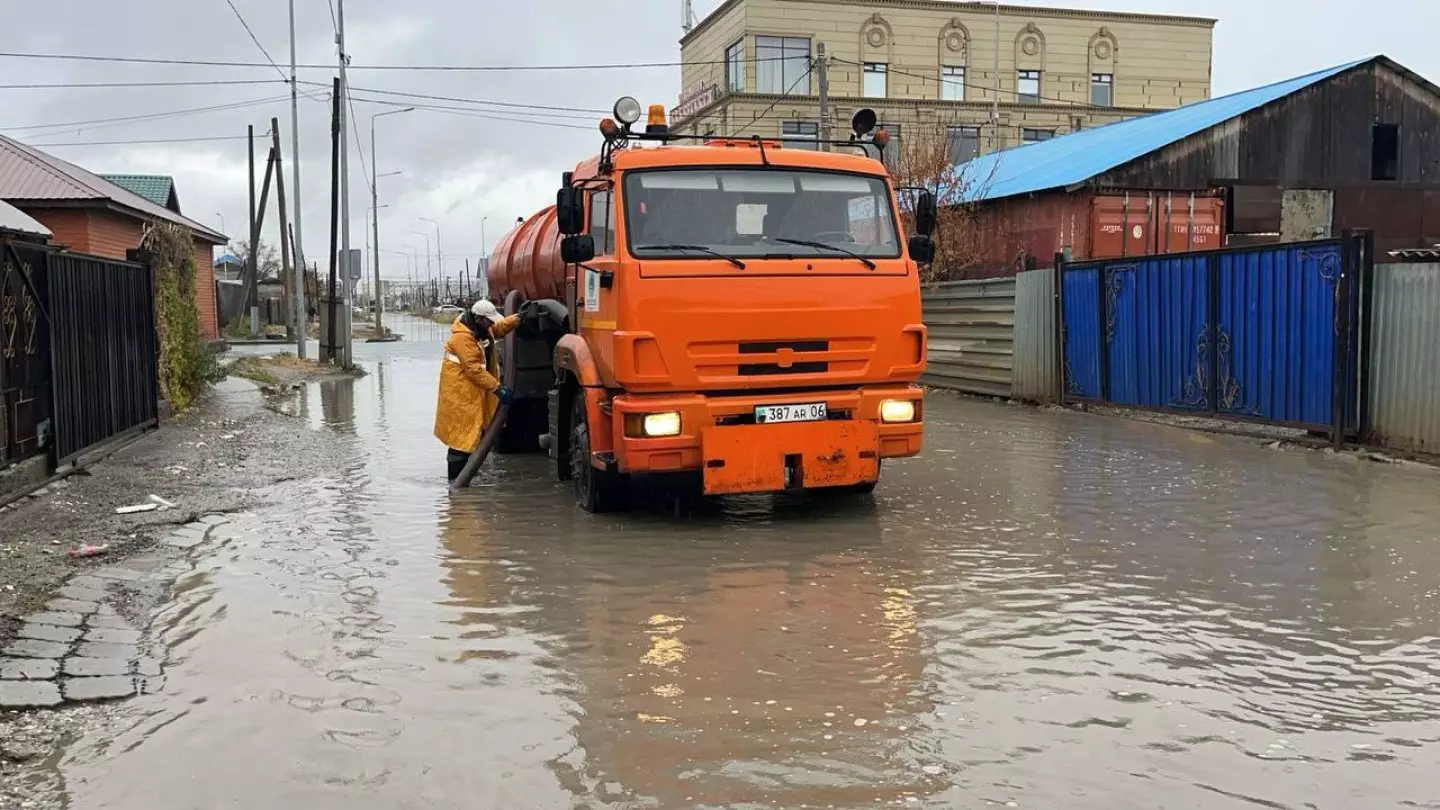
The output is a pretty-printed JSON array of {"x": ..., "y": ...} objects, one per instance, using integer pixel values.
[{"x": 757, "y": 213}]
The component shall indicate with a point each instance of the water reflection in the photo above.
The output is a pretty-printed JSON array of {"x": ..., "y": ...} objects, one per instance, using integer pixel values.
[{"x": 1047, "y": 609}]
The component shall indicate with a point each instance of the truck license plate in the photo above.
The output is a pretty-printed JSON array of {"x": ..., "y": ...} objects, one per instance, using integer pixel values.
[{"x": 808, "y": 412}]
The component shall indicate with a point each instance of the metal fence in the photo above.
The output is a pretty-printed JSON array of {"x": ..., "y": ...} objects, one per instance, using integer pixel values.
[
  {"x": 1035, "y": 368},
  {"x": 972, "y": 332},
  {"x": 78, "y": 361},
  {"x": 1404, "y": 357},
  {"x": 103, "y": 343},
  {"x": 24, "y": 353},
  {"x": 1264, "y": 334}
]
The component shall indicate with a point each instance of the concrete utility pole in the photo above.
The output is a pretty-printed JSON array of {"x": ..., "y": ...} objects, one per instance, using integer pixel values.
[
  {"x": 375, "y": 211},
  {"x": 822, "y": 65},
  {"x": 302, "y": 317},
  {"x": 995, "y": 102},
  {"x": 429, "y": 269},
  {"x": 439, "y": 249},
  {"x": 347, "y": 317}
]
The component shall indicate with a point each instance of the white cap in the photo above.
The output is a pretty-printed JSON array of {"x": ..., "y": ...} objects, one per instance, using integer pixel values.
[{"x": 487, "y": 310}]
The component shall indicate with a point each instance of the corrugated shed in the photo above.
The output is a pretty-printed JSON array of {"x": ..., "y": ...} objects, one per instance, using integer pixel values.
[
  {"x": 156, "y": 188},
  {"x": 13, "y": 219},
  {"x": 972, "y": 332},
  {"x": 1405, "y": 354},
  {"x": 27, "y": 174},
  {"x": 1078, "y": 157}
]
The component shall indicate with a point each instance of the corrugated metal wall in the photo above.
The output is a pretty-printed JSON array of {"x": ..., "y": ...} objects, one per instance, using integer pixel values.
[
  {"x": 972, "y": 334},
  {"x": 1033, "y": 377},
  {"x": 1405, "y": 357}
]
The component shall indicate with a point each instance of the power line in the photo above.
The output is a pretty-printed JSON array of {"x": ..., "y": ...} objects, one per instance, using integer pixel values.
[
  {"x": 776, "y": 102},
  {"x": 75, "y": 85},
  {"x": 460, "y": 68},
  {"x": 359, "y": 144},
  {"x": 128, "y": 143},
  {"x": 472, "y": 100},
  {"x": 255, "y": 39},
  {"x": 150, "y": 116},
  {"x": 467, "y": 112}
]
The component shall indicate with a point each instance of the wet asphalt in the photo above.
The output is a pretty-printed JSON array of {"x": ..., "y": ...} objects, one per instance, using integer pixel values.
[{"x": 1047, "y": 609}]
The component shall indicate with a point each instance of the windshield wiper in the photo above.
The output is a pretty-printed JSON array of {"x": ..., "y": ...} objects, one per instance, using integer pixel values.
[
  {"x": 701, "y": 248},
  {"x": 825, "y": 246}
]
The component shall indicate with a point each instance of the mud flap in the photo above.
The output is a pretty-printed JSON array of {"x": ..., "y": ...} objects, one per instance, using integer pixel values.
[{"x": 803, "y": 455}]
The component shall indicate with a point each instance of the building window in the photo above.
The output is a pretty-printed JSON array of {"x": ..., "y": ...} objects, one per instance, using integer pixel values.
[
  {"x": 1102, "y": 89},
  {"x": 1036, "y": 135},
  {"x": 735, "y": 67},
  {"x": 1385, "y": 152},
  {"x": 964, "y": 144},
  {"x": 782, "y": 65},
  {"x": 1029, "y": 86},
  {"x": 952, "y": 83},
  {"x": 800, "y": 134},
  {"x": 873, "y": 83}
]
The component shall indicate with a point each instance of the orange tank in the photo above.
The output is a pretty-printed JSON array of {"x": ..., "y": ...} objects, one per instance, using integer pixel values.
[{"x": 528, "y": 259}]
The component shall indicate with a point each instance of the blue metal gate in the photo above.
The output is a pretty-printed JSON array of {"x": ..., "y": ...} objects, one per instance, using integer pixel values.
[{"x": 1265, "y": 334}]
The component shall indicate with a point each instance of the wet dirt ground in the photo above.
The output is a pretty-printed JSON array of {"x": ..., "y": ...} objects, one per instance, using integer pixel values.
[{"x": 1047, "y": 609}]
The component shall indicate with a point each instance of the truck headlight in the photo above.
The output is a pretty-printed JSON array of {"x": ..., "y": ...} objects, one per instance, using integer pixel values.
[
  {"x": 897, "y": 410},
  {"x": 661, "y": 424}
]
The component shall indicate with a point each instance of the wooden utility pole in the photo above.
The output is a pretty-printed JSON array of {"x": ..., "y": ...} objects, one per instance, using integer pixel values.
[
  {"x": 329, "y": 352},
  {"x": 251, "y": 298},
  {"x": 291, "y": 323}
]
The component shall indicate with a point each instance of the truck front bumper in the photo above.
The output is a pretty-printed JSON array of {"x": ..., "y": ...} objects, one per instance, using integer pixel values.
[{"x": 719, "y": 436}]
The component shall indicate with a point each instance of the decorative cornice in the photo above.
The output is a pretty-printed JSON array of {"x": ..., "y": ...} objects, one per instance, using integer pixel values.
[{"x": 951, "y": 6}]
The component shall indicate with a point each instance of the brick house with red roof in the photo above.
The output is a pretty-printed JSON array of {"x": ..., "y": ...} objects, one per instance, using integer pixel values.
[{"x": 90, "y": 214}]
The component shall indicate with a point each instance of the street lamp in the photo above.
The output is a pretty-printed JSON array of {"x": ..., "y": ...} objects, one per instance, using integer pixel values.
[
  {"x": 439, "y": 254},
  {"x": 375, "y": 207},
  {"x": 222, "y": 222},
  {"x": 429, "y": 270}
]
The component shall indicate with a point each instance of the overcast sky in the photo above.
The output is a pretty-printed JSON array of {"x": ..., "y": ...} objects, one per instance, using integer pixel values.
[{"x": 462, "y": 168}]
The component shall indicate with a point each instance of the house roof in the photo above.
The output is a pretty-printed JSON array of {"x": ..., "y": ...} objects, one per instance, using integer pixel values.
[
  {"x": 29, "y": 175},
  {"x": 156, "y": 188},
  {"x": 228, "y": 259},
  {"x": 13, "y": 219},
  {"x": 1075, "y": 158}
]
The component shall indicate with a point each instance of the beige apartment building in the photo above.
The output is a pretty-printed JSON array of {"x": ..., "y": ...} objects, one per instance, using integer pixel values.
[{"x": 929, "y": 68}]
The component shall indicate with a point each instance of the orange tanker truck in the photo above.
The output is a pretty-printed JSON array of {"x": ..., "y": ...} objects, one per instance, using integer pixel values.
[{"x": 739, "y": 311}]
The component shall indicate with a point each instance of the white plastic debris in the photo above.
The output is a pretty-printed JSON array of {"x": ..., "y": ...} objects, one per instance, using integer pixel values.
[
  {"x": 139, "y": 507},
  {"x": 161, "y": 502}
]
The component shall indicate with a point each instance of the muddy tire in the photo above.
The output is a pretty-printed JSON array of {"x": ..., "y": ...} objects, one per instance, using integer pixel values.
[{"x": 596, "y": 491}]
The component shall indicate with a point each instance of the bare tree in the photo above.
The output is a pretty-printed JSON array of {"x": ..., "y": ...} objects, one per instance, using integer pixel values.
[
  {"x": 963, "y": 241},
  {"x": 268, "y": 264}
]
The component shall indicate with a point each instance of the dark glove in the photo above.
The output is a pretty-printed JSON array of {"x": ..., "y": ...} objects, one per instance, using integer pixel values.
[{"x": 505, "y": 395}]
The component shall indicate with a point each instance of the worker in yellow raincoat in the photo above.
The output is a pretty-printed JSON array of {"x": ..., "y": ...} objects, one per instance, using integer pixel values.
[{"x": 470, "y": 389}]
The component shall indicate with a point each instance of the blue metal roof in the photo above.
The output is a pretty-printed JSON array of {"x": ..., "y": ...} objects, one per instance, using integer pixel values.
[{"x": 1072, "y": 159}]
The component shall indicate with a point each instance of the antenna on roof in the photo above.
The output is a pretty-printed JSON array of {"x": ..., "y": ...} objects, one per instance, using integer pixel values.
[{"x": 687, "y": 16}]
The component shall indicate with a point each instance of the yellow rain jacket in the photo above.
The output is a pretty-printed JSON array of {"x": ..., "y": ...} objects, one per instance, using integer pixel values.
[{"x": 469, "y": 376}]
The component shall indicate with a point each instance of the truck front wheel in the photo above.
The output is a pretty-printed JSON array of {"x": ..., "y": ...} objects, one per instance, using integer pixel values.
[{"x": 597, "y": 491}]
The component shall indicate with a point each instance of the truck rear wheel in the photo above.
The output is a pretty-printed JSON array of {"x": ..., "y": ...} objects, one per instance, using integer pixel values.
[{"x": 597, "y": 491}]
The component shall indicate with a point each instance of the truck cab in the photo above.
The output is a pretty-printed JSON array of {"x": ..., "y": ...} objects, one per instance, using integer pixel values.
[{"x": 735, "y": 310}]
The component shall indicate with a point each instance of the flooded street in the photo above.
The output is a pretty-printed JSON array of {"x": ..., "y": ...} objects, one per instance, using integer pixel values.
[{"x": 1047, "y": 609}]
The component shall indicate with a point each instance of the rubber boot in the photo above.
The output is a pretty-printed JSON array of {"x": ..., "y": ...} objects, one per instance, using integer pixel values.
[{"x": 455, "y": 462}]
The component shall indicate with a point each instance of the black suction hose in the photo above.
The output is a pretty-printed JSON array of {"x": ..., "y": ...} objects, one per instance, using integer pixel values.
[{"x": 507, "y": 379}]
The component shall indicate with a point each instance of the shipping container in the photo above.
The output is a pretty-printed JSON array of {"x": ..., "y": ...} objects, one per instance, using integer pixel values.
[{"x": 1092, "y": 225}]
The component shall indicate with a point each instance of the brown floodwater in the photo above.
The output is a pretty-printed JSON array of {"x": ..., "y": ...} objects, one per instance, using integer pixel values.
[{"x": 1046, "y": 609}]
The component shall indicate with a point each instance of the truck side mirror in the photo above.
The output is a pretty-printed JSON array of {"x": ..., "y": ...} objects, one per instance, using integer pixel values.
[
  {"x": 927, "y": 213},
  {"x": 922, "y": 248},
  {"x": 577, "y": 249},
  {"x": 570, "y": 210}
]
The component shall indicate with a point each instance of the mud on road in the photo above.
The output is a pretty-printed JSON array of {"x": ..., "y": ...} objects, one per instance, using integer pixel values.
[{"x": 220, "y": 458}]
